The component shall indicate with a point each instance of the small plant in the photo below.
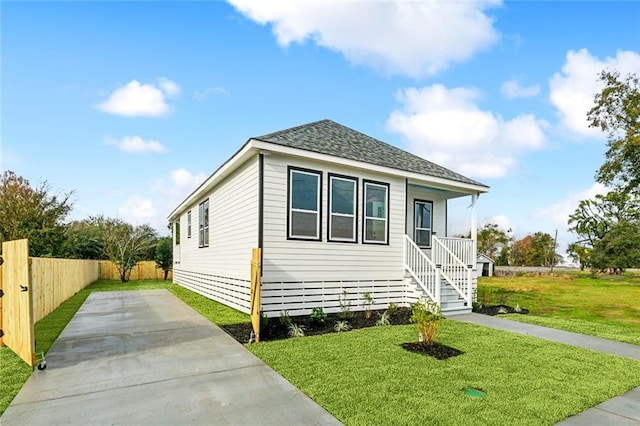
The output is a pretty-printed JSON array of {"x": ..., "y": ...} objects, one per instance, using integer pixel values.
[
  {"x": 518, "y": 309},
  {"x": 476, "y": 306},
  {"x": 342, "y": 326},
  {"x": 428, "y": 316},
  {"x": 368, "y": 301},
  {"x": 285, "y": 319},
  {"x": 317, "y": 316},
  {"x": 295, "y": 330},
  {"x": 502, "y": 310},
  {"x": 384, "y": 319},
  {"x": 345, "y": 306},
  {"x": 392, "y": 310}
]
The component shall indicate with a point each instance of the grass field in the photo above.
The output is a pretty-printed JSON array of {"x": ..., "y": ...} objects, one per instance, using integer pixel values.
[{"x": 607, "y": 307}]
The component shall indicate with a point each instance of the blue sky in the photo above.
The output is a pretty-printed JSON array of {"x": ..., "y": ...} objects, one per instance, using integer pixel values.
[{"x": 132, "y": 105}]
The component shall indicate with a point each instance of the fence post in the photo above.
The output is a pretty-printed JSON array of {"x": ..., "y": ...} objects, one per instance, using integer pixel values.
[{"x": 1, "y": 299}]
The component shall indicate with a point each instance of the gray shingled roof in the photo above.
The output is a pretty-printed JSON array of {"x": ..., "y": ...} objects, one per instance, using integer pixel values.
[{"x": 331, "y": 138}]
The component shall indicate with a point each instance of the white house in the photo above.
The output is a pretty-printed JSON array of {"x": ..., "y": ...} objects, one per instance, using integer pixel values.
[{"x": 337, "y": 214}]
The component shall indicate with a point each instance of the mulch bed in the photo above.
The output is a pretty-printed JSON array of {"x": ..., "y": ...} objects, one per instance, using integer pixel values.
[
  {"x": 494, "y": 310},
  {"x": 435, "y": 349},
  {"x": 274, "y": 330}
]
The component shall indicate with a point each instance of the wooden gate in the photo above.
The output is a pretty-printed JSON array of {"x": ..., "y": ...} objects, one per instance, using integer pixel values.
[
  {"x": 255, "y": 291},
  {"x": 16, "y": 320}
]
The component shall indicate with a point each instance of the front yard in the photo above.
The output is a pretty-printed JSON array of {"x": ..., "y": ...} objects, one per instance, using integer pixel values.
[{"x": 365, "y": 377}]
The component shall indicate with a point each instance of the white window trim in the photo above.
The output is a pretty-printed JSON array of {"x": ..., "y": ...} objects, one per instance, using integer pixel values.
[
  {"x": 189, "y": 224},
  {"x": 354, "y": 181},
  {"x": 367, "y": 184},
  {"x": 318, "y": 176},
  {"x": 415, "y": 225}
]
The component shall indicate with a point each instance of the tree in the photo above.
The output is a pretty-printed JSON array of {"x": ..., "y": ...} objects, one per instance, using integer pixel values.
[
  {"x": 579, "y": 253},
  {"x": 33, "y": 213},
  {"x": 124, "y": 244},
  {"x": 494, "y": 243},
  {"x": 618, "y": 249},
  {"x": 164, "y": 255},
  {"x": 534, "y": 250},
  {"x": 617, "y": 113},
  {"x": 83, "y": 240}
]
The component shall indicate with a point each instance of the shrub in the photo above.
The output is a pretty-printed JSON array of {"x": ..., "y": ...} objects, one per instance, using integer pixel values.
[
  {"x": 384, "y": 319},
  {"x": 295, "y": 330},
  {"x": 345, "y": 306},
  {"x": 392, "y": 309},
  {"x": 428, "y": 317},
  {"x": 476, "y": 306},
  {"x": 317, "y": 316},
  {"x": 285, "y": 319},
  {"x": 368, "y": 301},
  {"x": 342, "y": 326}
]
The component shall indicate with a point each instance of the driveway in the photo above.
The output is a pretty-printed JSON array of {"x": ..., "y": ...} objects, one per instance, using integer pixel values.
[{"x": 145, "y": 357}]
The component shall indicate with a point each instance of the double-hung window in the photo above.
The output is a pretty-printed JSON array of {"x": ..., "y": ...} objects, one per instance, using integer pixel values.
[
  {"x": 423, "y": 223},
  {"x": 203, "y": 222},
  {"x": 305, "y": 189},
  {"x": 343, "y": 194},
  {"x": 177, "y": 231},
  {"x": 189, "y": 224},
  {"x": 376, "y": 212}
]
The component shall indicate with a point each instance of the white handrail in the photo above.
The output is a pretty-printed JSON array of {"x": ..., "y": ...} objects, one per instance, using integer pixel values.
[
  {"x": 422, "y": 269},
  {"x": 456, "y": 272}
]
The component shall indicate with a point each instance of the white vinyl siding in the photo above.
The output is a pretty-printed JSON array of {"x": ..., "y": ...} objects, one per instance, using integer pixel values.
[
  {"x": 305, "y": 189},
  {"x": 376, "y": 202},
  {"x": 343, "y": 201},
  {"x": 312, "y": 267},
  {"x": 222, "y": 272}
]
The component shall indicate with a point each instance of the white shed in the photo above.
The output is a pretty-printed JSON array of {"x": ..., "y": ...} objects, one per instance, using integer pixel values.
[
  {"x": 333, "y": 211},
  {"x": 484, "y": 265}
]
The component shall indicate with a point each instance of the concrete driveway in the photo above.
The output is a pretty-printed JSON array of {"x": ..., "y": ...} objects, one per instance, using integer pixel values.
[{"x": 145, "y": 357}]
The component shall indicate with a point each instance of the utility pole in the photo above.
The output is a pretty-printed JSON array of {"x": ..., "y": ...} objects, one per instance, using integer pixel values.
[{"x": 553, "y": 251}]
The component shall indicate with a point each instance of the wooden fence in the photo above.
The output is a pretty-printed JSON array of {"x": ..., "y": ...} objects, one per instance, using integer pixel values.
[
  {"x": 145, "y": 270},
  {"x": 33, "y": 288}
]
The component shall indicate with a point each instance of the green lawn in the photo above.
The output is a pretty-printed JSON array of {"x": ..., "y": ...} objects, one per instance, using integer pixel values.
[
  {"x": 14, "y": 372},
  {"x": 606, "y": 307},
  {"x": 364, "y": 377}
]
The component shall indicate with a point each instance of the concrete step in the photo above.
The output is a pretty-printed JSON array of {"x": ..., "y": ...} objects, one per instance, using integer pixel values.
[{"x": 449, "y": 312}]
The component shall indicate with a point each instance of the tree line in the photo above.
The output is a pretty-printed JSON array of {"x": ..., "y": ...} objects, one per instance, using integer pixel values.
[{"x": 34, "y": 212}]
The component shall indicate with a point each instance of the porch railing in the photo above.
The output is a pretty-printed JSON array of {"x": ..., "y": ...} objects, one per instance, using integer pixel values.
[
  {"x": 456, "y": 258},
  {"x": 422, "y": 269}
]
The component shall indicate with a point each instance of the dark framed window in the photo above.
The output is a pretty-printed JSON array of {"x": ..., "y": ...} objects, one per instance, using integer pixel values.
[
  {"x": 304, "y": 204},
  {"x": 343, "y": 196},
  {"x": 422, "y": 223},
  {"x": 375, "y": 228},
  {"x": 176, "y": 227},
  {"x": 203, "y": 224},
  {"x": 189, "y": 224}
]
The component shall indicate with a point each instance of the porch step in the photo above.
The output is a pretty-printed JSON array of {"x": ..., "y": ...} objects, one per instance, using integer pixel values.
[{"x": 450, "y": 312}]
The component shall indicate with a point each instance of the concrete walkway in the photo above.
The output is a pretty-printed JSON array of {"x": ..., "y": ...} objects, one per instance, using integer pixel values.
[
  {"x": 145, "y": 357},
  {"x": 621, "y": 410}
]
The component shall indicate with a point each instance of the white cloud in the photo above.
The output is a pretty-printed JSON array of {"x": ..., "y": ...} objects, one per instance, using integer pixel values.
[
  {"x": 502, "y": 221},
  {"x": 138, "y": 210},
  {"x": 559, "y": 212},
  {"x": 415, "y": 38},
  {"x": 447, "y": 127},
  {"x": 573, "y": 88},
  {"x": 141, "y": 100},
  {"x": 135, "y": 144},
  {"x": 180, "y": 184},
  {"x": 513, "y": 89},
  {"x": 204, "y": 94}
]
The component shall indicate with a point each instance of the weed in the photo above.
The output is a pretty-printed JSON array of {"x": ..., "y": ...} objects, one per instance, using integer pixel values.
[
  {"x": 285, "y": 319},
  {"x": 342, "y": 326},
  {"x": 518, "y": 309}
]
